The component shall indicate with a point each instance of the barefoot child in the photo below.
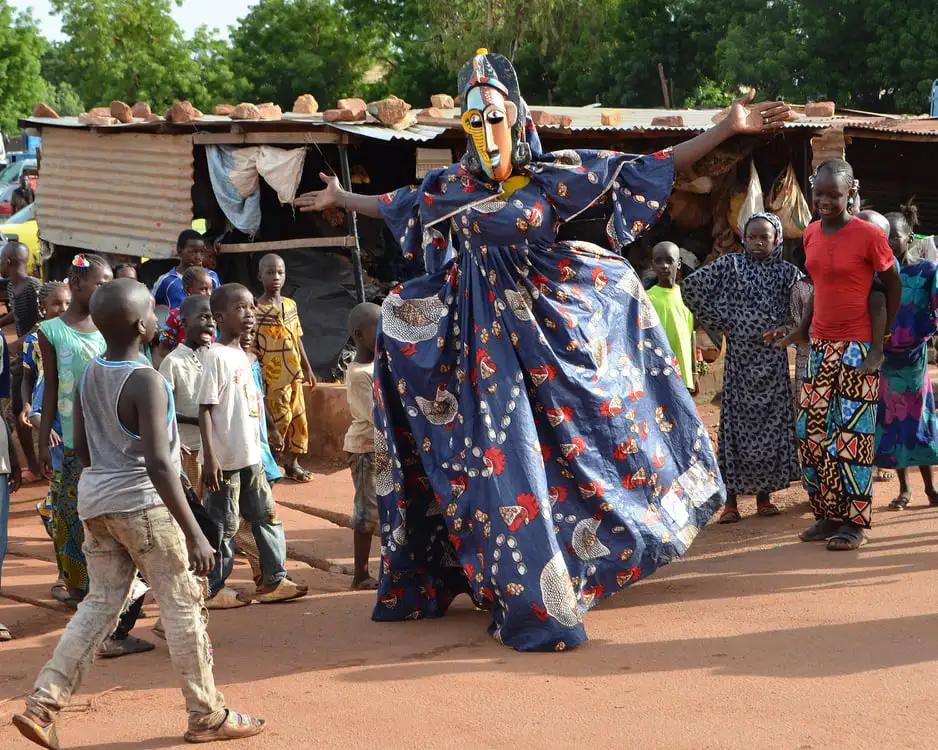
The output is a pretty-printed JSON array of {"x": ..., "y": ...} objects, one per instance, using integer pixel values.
[
  {"x": 182, "y": 369},
  {"x": 676, "y": 320},
  {"x": 745, "y": 295},
  {"x": 131, "y": 501},
  {"x": 23, "y": 295},
  {"x": 230, "y": 408},
  {"x": 284, "y": 365},
  {"x": 906, "y": 424},
  {"x": 360, "y": 438},
  {"x": 195, "y": 280},
  {"x": 841, "y": 387}
]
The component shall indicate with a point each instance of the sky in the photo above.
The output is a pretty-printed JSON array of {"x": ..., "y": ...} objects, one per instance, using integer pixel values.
[{"x": 217, "y": 14}]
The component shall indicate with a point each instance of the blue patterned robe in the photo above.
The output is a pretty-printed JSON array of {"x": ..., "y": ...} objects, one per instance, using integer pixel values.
[{"x": 536, "y": 447}]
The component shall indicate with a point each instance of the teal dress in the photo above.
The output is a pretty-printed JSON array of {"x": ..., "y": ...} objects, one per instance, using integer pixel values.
[{"x": 271, "y": 469}]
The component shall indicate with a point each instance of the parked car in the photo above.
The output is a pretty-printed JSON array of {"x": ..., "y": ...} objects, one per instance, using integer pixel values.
[
  {"x": 12, "y": 172},
  {"x": 22, "y": 227},
  {"x": 6, "y": 198}
]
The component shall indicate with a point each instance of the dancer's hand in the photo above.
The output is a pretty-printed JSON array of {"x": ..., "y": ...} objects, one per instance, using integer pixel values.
[
  {"x": 745, "y": 118},
  {"x": 318, "y": 200}
]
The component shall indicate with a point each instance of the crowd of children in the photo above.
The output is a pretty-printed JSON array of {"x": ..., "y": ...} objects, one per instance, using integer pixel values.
[{"x": 861, "y": 310}]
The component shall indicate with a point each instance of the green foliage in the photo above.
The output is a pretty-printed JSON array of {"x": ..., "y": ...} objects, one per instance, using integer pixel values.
[
  {"x": 20, "y": 83},
  {"x": 869, "y": 54},
  {"x": 284, "y": 48}
]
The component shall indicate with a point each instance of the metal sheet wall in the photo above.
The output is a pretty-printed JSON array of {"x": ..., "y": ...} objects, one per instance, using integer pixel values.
[{"x": 126, "y": 193}]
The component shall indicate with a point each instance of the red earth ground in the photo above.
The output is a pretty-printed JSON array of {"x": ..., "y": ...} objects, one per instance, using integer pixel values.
[{"x": 752, "y": 640}]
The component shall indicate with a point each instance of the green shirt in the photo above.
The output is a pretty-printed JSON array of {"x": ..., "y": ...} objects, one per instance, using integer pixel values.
[
  {"x": 73, "y": 352},
  {"x": 678, "y": 324}
]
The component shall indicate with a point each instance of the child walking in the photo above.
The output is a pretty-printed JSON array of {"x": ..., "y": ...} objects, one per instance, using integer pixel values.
[
  {"x": 168, "y": 289},
  {"x": 182, "y": 369},
  {"x": 746, "y": 295},
  {"x": 676, "y": 320},
  {"x": 841, "y": 386},
  {"x": 136, "y": 515},
  {"x": 195, "y": 280},
  {"x": 360, "y": 438},
  {"x": 23, "y": 296},
  {"x": 906, "y": 424},
  {"x": 230, "y": 408},
  {"x": 284, "y": 365}
]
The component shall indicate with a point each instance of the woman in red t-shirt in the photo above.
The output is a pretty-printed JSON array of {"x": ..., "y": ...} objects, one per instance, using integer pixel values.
[{"x": 837, "y": 420}]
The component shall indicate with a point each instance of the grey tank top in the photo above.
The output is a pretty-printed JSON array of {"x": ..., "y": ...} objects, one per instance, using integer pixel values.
[{"x": 117, "y": 480}]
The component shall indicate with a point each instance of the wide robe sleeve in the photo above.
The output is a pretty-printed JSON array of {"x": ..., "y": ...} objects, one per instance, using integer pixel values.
[
  {"x": 638, "y": 187},
  {"x": 423, "y": 244},
  {"x": 708, "y": 293}
]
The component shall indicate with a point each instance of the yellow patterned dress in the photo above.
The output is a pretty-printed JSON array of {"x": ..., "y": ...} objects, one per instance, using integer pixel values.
[{"x": 278, "y": 348}]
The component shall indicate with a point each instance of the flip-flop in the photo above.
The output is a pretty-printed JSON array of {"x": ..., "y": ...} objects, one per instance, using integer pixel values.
[
  {"x": 302, "y": 476},
  {"x": 820, "y": 531},
  {"x": 44, "y": 736},
  {"x": 848, "y": 538},
  {"x": 902, "y": 502},
  {"x": 235, "y": 727},
  {"x": 730, "y": 515},
  {"x": 112, "y": 649},
  {"x": 286, "y": 590},
  {"x": 768, "y": 509},
  {"x": 884, "y": 475}
]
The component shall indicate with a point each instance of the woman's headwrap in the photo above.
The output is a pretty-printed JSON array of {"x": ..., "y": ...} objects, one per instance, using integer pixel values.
[
  {"x": 490, "y": 69},
  {"x": 779, "y": 235}
]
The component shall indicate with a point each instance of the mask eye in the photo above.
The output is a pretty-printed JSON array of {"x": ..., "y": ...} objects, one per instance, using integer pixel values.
[
  {"x": 475, "y": 121},
  {"x": 495, "y": 116}
]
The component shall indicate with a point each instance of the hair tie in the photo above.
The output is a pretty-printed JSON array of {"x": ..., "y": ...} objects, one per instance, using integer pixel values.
[{"x": 80, "y": 261}]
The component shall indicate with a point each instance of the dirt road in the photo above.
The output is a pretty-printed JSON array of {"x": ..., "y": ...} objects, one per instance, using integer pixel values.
[{"x": 753, "y": 640}]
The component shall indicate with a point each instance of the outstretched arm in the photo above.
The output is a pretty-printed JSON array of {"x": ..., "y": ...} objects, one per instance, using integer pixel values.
[
  {"x": 335, "y": 195},
  {"x": 744, "y": 118}
]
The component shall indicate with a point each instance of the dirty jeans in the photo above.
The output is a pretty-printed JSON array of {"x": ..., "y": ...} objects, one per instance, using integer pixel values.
[
  {"x": 246, "y": 494},
  {"x": 116, "y": 545}
]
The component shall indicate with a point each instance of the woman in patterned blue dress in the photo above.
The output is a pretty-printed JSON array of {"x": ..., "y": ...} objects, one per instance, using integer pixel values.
[{"x": 535, "y": 446}]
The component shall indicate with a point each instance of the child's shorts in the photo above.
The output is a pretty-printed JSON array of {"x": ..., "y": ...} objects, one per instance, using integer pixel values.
[{"x": 365, "y": 514}]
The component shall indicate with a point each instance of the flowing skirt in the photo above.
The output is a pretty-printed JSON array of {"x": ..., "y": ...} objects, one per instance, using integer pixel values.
[
  {"x": 836, "y": 429},
  {"x": 757, "y": 450},
  {"x": 68, "y": 535},
  {"x": 535, "y": 445},
  {"x": 906, "y": 427}
]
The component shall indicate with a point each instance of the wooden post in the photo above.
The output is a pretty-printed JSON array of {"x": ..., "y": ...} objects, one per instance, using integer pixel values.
[
  {"x": 664, "y": 86},
  {"x": 353, "y": 228}
]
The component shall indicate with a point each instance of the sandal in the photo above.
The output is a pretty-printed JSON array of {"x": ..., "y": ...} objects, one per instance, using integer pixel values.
[
  {"x": 932, "y": 499},
  {"x": 902, "y": 502},
  {"x": 730, "y": 515},
  {"x": 849, "y": 537},
  {"x": 298, "y": 475},
  {"x": 820, "y": 531},
  {"x": 884, "y": 475},
  {"x": 226, "y": 598},
  {"x": 5, "y": 634},
  {"x": 235, "y": 727},
  {"x": 43, "y": 735},
  {"x": 768, "y": 508},
  {"x": 113, "y": 648},
  {"x": 284, "y": 591}
]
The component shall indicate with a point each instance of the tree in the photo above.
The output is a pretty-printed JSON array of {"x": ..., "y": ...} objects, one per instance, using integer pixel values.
[
  {"x": 124, "y": 49},
  {"x": 284, "y": 48},
  {"x": 20, "y": 50},
  {"x": 217, "y": 82},
  {"x": 63, "y": 99}
]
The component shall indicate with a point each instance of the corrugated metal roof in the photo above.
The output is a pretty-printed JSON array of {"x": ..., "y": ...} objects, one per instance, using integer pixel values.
[
  {"x": 129, "y": 195},
  {"x": 413, "y": 133}
]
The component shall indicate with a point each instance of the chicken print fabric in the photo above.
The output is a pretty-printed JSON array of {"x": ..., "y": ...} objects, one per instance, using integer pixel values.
[{"x": 536, "y": 447}]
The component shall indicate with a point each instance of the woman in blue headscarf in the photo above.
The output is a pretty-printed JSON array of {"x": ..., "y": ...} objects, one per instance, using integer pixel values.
[
  {"x": 535, "y": 445},
  {"x": 746, "y": 295}
]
